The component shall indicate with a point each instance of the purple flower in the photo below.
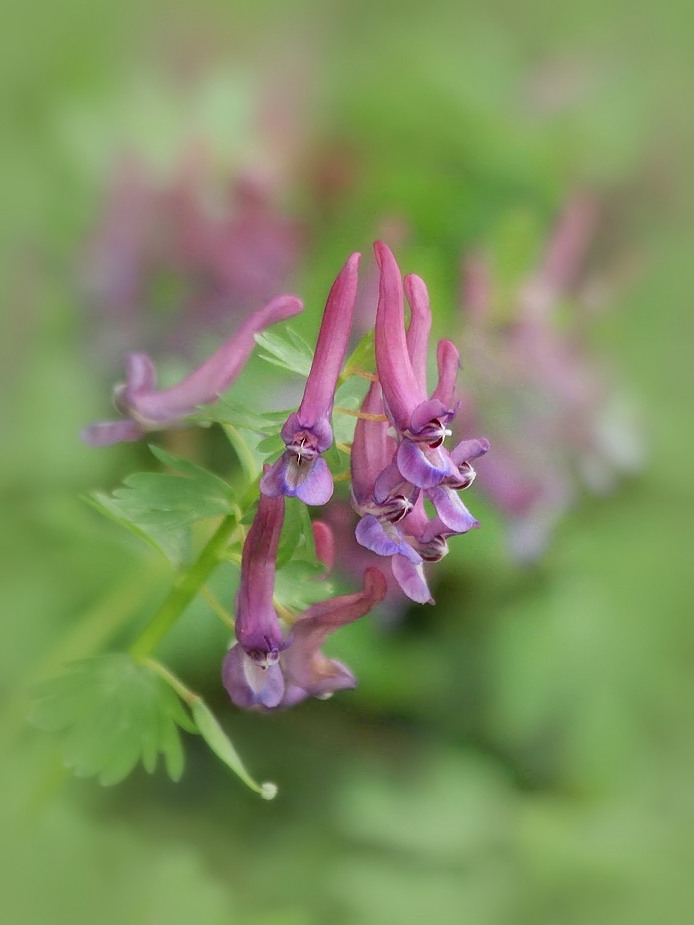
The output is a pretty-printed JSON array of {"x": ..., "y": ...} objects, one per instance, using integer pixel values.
[
  {"x": 420, "y": 422},
  {"x": 392, "y": 476},
  {"x": 146, "y": 408},
  {"x": 257, "y": 627},
  {"x": 302, "y": 670},
  {"x": 534, "y": 383},
  {"x": 301, "y": 471},
  {"x": 157, "y": 234},
  {"x": 379, "y": 493}
]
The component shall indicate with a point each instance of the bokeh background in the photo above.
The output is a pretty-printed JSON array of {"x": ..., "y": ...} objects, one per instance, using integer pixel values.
[{"x": 522, "y": 752}]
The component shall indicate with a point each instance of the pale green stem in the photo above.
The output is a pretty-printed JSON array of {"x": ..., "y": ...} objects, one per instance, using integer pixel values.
[{"x": 184, "y": 589}]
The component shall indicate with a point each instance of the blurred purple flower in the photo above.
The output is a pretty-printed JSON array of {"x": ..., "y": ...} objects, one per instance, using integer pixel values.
[
  {"x": 147, "y": 409},
  {"x": 301, "y": 471},
  {"x": 160, "y": 241},
  {"x": 534, "y": 385}
]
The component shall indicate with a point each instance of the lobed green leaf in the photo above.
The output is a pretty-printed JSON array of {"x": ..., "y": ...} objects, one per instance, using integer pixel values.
[
  {"x": 288, "y": 350},
  {"x": 110, "y": 714}
]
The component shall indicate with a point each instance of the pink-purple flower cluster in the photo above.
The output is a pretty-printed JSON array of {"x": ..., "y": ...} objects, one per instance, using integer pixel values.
[
  {"x": 398, "y": 455},
  {"x": 398, "y": 461}
]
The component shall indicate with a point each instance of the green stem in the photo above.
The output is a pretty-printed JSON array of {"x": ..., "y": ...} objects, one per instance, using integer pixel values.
[
  {"x": 185, "y": 587},
  {"x": 185, "y": 693}
]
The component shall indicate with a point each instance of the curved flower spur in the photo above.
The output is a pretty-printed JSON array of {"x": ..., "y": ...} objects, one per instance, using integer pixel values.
[
  {"x": 301, "y": 471},
  {"x": 267, "y": 668},
  {"x": 391, "y": 476},
  {"x": 146, "y": 409}
]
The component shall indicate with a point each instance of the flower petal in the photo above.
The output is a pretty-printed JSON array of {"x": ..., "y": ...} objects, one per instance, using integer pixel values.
[
  {"x": 106, "y": 433},
  {"x": 248, "y": 684},
  {"x": 315, "y": 486},
  {"x": 411, "y": 579},
  {"x": 469, "y": 449},
  {"x": 420, "y": 326},
  {"x": 424, "y": 466},
  {"x": 372, "y": 534},
  {"x": 451, "y": 509}
]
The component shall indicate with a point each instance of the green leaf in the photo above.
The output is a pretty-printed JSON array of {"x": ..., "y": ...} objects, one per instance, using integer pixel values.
[
  {"x": 221, "y": 745},
  {"x": 299, "y": 584},
  {"x": 159, "y": 507},
  {"x": 228, "y": 412},
  {"x": 271, "y": 446},
  {"x": 172, "y": 544},
  {"x": 297, "y": 537},
  {"x": 111, "y": 713},
  {"x": 362, "y": 358},
  {"x": 288, "y": 350}
]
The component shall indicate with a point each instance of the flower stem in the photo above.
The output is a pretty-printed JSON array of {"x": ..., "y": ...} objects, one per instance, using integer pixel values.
[
  {"x": 185, "y": 693},
  {"x": 184, "y": 589}
]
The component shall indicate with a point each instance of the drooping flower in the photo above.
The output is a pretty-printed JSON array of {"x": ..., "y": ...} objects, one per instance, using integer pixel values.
[
  {"x": 257, "y": 627},
  {"x": 302, "y": 670},
  {"x": 146, "y": 408},
  {"x": 301, "y": 471}
]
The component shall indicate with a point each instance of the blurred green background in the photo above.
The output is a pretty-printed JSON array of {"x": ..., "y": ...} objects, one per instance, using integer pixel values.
[{"x": 523, "y": 752}]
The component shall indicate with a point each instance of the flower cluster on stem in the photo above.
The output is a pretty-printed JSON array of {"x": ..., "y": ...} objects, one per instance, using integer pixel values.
[{"x": 395, "y": 468}]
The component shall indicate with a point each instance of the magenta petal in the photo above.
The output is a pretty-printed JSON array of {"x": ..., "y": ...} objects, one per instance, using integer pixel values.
[
  {"x": 324, "y": 542},
  {"x": 430, "y": 410},
  {"x": 451, "y": 509},
  {"x": 303, "y": 662},
  {"x": 420, "y": 326},
  {"x": 384, "y": 540},
  {"x": 140, "y": 373},
  {"x": 248, "y": 684},
  {"x": 106, "y": 433},
  {"x": 331, "y": 345},
  {"x": 448, "y": 360},
  {"x": 411, "y": 579},
  {"x": 210, "y": 380},
  {"x": 424, "y": 466},
  {"x": 401, "y": 389}
]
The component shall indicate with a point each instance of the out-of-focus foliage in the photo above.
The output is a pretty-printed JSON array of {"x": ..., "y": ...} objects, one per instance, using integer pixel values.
[{"x": 522, "y": 753}]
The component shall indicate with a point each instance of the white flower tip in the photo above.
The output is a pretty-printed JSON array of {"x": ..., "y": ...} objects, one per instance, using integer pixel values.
[{"x": 268, "y": 790}]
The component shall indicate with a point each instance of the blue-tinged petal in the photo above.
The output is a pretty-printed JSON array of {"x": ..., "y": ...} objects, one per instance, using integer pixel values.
[
  {"x": 451, "y": 509},
  {"x": 383, "y": 539},
  {"x": 248, "y": 684},
  {"x": 430, "y": 410},
  {"x": 424, "y": 466},
  {"x": 313, "y": 482},
  {"x": 411, "y": 579},
  {"x": 274, "y": 481},
  {"x": 469, "y": 449}
]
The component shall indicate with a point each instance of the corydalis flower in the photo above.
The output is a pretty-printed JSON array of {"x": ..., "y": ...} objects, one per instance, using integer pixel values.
[
  {"x": 267, "y": 669},
  {"x": 146, "y": 408},
  {"x": 421, "y": 423},
  {"x": 392, "y": 475},
  {"x": 156, "y": 235},
  {"x": 300, "y": 669},
  {"x": 301, "y": 471},
  {"x": 258, "y": 630}
]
